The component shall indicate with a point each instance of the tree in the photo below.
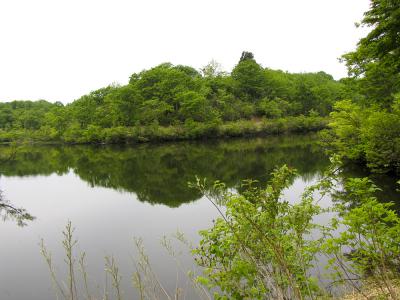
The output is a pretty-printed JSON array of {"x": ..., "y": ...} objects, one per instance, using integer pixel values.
[
  {"x": 122, "y": 106},
  {"x": 246, "y": 55},
  {"x": 195, "y": 106},
  {"x": 154, "y": 110},
  {"x": 249, "y": 78},
  {"x": 164, "y": 82},
  {"x": 6, "y": 116},
  {"x": 84, "y": 109},
  {"x": 212, "y": 69},
  {"x": 378, "y": 54}
]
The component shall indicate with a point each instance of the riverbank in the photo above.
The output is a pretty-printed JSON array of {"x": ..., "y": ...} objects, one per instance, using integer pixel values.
[{"x": 156, "y": 133}]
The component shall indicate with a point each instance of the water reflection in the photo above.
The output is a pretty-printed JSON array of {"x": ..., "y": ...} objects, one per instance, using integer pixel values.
[
  {"x": 98, "y": 193},
  {"x": 387, "y": 184},
  {"x": 10, "y": 212},
  {"x": 159, "y": 174},
  {"x": 7, "y": 210}
]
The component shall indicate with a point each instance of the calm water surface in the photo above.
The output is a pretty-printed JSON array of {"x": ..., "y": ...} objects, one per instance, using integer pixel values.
[{"x": 112, "y": 194}]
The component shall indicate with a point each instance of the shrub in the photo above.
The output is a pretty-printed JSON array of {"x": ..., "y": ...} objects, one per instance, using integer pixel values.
[{"x": 264, "y": 247}]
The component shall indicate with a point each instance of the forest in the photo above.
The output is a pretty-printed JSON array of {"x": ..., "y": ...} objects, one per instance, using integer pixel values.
[
  {"x": 176, "y": 102},
  {"x": 171, "y": 102}
]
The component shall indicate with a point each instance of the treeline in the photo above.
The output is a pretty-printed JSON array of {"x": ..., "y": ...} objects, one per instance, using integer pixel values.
[{"x": 171, "y": 102}]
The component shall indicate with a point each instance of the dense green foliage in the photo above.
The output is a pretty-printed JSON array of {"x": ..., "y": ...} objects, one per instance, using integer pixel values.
[
  {"x": 187, "y": 131},
  {"x": 170, "y": 102},
  {"x": 265, "y": 246},
  {"x": 367, "y": 135},
  {"x": 258, "y": 249},
  {"x": 376, "y": 61},
  {"x": 367, "y": 129}
]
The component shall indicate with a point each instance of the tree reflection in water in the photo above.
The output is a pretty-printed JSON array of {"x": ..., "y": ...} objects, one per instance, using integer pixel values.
[
  {"x": 10, "y": 212},
  {"x": 159, "y": 173}
]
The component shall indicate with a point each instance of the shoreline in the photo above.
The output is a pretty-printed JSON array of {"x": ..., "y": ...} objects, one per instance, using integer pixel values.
[{"x": 160, "y": 134}]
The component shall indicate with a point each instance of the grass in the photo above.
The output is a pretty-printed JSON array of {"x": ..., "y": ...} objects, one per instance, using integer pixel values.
[
  {"x": 371, "y": 290},
  {"x": 144, "y": 280}
]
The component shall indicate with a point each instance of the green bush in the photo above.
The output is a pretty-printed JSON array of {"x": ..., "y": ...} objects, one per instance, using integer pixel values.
[
  {"x": 371, "y": 136},
  {"x": 264, "y": 247},
  {"x": 381, "y": 139}
]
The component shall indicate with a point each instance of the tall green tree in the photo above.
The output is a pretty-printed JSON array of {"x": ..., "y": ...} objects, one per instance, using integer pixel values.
[
  {"x": 377, "y": 57},
  {"x": 165, "y": 82},
  {"x": 249, "y": 78}
]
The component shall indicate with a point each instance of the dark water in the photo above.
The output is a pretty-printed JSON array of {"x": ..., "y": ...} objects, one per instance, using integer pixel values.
[{"x": 112, "y": 194}]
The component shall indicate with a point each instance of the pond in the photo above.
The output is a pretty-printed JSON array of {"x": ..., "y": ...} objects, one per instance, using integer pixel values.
[{"x": 112, "y": 194}]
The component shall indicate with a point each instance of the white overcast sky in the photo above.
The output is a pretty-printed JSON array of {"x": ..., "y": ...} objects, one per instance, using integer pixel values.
[{"x": 59, "y": 50}]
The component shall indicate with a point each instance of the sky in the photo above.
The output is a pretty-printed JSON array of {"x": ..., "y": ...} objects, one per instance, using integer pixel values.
[{"x": 60, "y": 50}]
